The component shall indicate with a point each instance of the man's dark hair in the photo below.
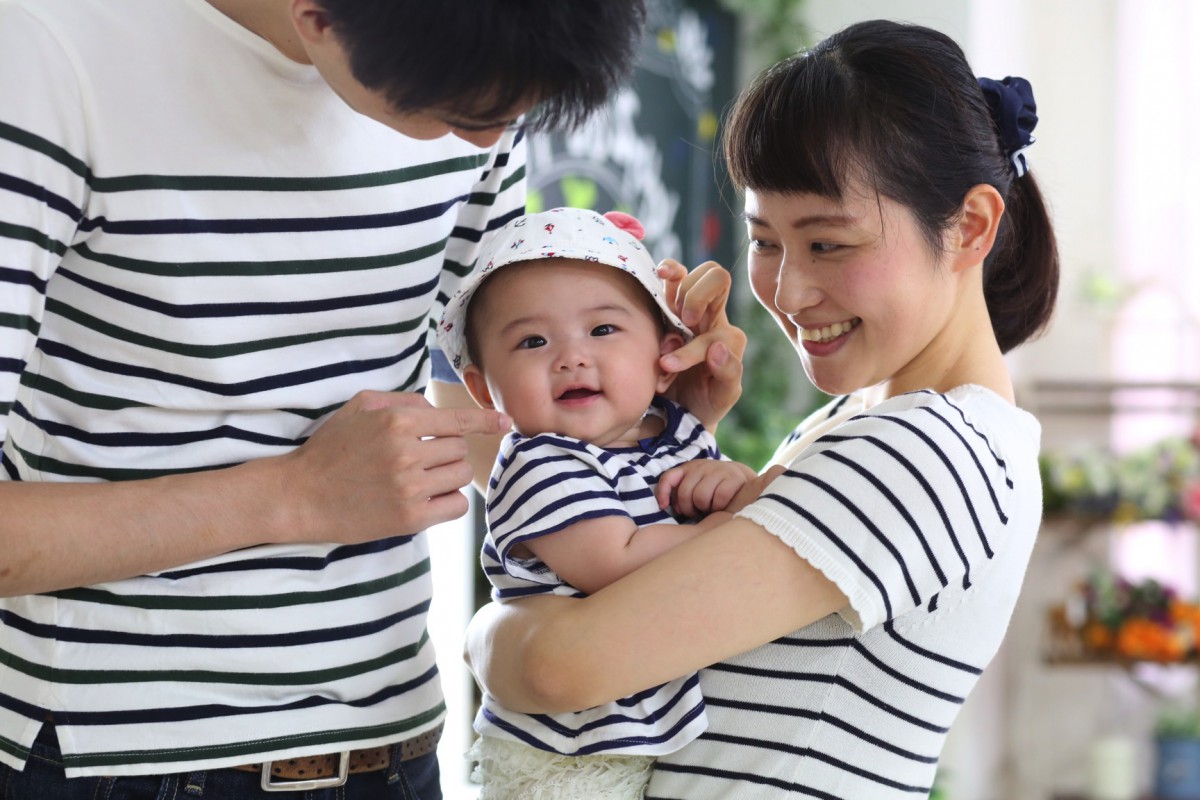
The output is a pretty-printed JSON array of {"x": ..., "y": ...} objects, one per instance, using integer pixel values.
[{"x": 484, "y": 57}]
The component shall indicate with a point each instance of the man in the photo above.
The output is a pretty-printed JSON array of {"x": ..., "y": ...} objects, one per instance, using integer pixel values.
[{"x": 225, "y": 231}]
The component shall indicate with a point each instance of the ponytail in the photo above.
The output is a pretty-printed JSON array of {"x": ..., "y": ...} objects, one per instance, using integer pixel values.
[{"x": 1020, "y": 276}]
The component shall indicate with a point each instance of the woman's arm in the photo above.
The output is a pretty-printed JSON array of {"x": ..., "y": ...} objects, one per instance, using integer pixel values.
[{"x": 726, "y": 591}]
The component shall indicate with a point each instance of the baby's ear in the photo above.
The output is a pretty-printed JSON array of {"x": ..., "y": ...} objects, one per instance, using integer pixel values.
[
  {"x": 672, "y": 340},
  {"x": 477, "y": 386}
]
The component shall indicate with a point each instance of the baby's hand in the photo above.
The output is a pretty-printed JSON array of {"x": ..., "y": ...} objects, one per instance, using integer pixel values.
[{"x": 702, "y": 486}]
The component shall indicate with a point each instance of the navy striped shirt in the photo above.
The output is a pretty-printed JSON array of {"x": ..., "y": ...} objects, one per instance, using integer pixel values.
[
  {"x": 923, "y": 510},
  {"x": 546, "y": 483}
]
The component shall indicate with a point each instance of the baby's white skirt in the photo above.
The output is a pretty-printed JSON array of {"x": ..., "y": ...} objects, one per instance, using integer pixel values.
[{"x": 514, "y": 771}]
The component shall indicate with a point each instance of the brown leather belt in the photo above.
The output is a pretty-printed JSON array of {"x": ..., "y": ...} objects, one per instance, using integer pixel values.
[{"x": 317, "y": 772}]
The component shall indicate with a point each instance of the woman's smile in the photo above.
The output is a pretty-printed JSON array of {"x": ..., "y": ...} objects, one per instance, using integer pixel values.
[{"x": 827, "y": 333}]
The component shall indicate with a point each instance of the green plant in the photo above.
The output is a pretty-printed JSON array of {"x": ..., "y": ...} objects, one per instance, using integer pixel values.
[
  {"x": 774, "y": 26},
  {"x": 1178, "y": 723},
  {"x": 1159, "y": 482}
]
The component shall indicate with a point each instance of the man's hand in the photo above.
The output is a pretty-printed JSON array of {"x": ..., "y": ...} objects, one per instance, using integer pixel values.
[
  {"x": 384, "y": 464},
  {"x": 711, "y": 364}
]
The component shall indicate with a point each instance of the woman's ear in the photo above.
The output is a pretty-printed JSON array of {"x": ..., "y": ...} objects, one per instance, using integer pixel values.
[
  {"x": 672, "y": 340},
  {"x": 973, "y": 235},
  {"x": 477, "y": 386}
]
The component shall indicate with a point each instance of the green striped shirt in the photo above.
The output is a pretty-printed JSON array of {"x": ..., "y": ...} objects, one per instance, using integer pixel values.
[{"x": 203, "y": 253}]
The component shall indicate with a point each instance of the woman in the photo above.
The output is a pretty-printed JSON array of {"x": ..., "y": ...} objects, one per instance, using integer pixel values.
[{"x": 902, "y": 246}]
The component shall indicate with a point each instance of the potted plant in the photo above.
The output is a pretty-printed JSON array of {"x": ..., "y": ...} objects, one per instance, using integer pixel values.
[{"x": 1177, "y": 755}]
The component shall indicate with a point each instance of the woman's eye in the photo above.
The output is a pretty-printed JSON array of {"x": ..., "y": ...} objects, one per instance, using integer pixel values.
[
  {"x": 604, "y": 330},
  {"x": 824, "y": 247},
  {"x": 760, "y": 246},
  {"x": 531, "y": 342}
]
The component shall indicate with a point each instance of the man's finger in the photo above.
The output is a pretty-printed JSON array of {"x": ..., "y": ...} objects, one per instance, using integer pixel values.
[
  {"x": 458, "y": 421},
  {"x": 369, "y": 400},
  {"x": 483, "y": 421},
  {"x": 445, "y": 507}
]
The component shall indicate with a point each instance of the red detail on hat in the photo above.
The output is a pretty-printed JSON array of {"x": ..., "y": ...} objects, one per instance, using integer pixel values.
[{"x": 627, "y": 223}]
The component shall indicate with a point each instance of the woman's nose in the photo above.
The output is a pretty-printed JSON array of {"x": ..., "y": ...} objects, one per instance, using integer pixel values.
[{"x": 795, "y": 289}]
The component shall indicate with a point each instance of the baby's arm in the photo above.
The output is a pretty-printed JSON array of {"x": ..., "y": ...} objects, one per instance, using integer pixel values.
[
  {"x": 593, "y": 553},
  {"x": 703, "y": 486}
]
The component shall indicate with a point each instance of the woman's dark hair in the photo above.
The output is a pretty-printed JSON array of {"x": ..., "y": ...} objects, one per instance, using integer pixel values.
[
  {"x": 487, "y": 56},
  {"x": 898, "y": 105}
]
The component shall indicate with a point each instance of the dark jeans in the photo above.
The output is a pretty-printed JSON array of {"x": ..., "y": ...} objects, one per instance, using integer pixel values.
[{"x": 43, "y": 779}]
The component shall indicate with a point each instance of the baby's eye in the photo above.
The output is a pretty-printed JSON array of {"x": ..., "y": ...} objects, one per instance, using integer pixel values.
[
  {"x": 604, "y": 330},
  {"x": 531, "y": 342}
]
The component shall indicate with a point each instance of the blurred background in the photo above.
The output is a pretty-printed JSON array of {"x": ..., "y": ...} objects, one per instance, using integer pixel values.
[{"x": 1094, "y": 694}]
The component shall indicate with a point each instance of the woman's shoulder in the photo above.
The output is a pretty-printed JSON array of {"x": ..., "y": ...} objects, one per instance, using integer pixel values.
[
  {"x": 815, "y": 425},
  {"x": 966, "y": 409},
  {"x": 969, "y": 411}
]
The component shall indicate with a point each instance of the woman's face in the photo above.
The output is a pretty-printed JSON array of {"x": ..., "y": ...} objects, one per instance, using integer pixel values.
[{"x": 855, "y": 287}]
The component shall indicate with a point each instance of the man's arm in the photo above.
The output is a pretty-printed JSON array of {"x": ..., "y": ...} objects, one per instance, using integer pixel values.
[{"x": 384, "y": 464}]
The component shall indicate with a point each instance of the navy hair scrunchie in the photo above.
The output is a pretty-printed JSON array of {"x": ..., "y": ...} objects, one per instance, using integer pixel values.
[{"x": 1014, "y": 114}]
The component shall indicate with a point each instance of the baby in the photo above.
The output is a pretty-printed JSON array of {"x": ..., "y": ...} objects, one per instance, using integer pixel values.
[{"x": 563, "y": 329}]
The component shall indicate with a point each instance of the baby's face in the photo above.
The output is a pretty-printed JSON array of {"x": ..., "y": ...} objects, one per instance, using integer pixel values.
[{"x": 568, "y": 347}]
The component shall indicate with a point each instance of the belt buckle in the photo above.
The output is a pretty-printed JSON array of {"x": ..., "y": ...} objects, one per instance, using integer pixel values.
[{"x": 331, "y": 782}]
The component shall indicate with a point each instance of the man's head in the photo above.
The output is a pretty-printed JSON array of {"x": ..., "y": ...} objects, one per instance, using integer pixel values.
[{"x": 470, "y": 67}]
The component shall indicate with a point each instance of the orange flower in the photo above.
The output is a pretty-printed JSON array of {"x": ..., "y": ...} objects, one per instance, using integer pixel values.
[
  {"x": 1098, "y": 637},
  {"x": 1146, "y": 640}
]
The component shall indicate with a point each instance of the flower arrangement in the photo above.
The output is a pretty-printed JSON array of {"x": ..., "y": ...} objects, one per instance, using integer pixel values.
[
  {"x": 1160, "y": 482},
  {"x": 1109, "y": 617}
]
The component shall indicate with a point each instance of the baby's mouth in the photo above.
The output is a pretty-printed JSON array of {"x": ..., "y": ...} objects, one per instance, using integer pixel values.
[{"x": 578, "y": 393}]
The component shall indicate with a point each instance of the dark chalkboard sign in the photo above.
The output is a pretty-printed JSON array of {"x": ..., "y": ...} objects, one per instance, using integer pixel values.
[{"x": 652, "y": 152}]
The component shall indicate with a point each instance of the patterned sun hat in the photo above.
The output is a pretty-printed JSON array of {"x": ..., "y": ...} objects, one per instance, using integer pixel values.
[{"x": 573, "y": 233}]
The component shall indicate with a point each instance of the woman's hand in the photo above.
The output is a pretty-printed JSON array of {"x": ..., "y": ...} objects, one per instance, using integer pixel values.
[
  {"x": 497, "y": 648},
  {"x": 711, "y": 364}
]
